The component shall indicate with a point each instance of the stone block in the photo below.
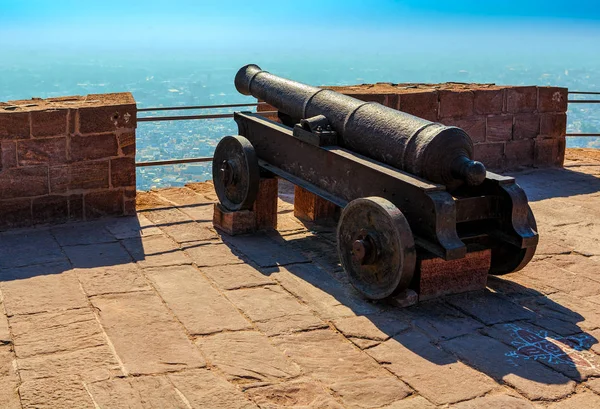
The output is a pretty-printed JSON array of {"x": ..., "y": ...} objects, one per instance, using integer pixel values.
[
  {"x": 49, "y": 209},
  {"x": 40, "y": 151},
  {"x": 552, "y": 99},
  {"x": 310, "y": 207},
  {"x": 526, "y": 126},
  {"x": 379, "y": 98},
  {"x": 107, "y": 118},
  {"x": 155, "y": 251},
  {"x": 126, "y": 141},
  {"x": 519, "y": 153},
  {"x": 122, "y": 172},
  {"x": 499, "y": 128},
  {"x": 145, "y": 335},
  {"x": 265, "y": 206},
  {"x": 86, "y": 175},
  {"x": 553, "y": 125},
  {"x": 15, "y": 213},
  {"x": 195, "y": 302},
  {"x": 488, "y": 101},
  {"x": 123, "y": 278},
  {"x": 489, "y": 308},
  {"x": 24, "y": 182},
  {"x": 95, "y": 146},
  {"x": 521, "y": 99},
  {"x": 437, "y": 277},
  {"x": 24, "y": 248},
  {"x": 235, "y": 276},
  {"x": 204, "y": 254},
  {"x": 76, "y": 207},
  {"x": 475, "y": 126},
  {"x": 490, "y": 154},
  {"x": 423, "y": 104},
  {"x": 51, "y": 122},
  {"x": 233, "y": 223},
  {"x": 55, "y": 392},
  {"x": 129, "y": 198},
  {"x": 548, "y": 152},
  {"x": 73, "y": 121},
  {"x": 455, "y": 103},
  {"x": 14, "y": 125},
  {"x": 302, "y": 393},
  {"x": 105, "y": 203},
  {"x": 8, "y": 154},
  {"x": 393, "y": 101}
]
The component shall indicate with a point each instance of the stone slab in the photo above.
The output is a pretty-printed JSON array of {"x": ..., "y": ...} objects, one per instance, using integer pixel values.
[
  {"x": 97, "y": 255},
  {"x": 179, "y": 226},
  {"x": 442, "y": 321},
  {"x": 82, "y": 233},
  {"x": 113, "y": 279},
  {"x": 528, "y": 377},
  {"x": 264, "y": 251},
  {"x": 302, "y": 393},
  {"x": 212, "y": 255},
  {"x": 155, "y": 251},
  {"x": 132, "y": 227},
  {"x": 9, "y": 380},
  {"x": 52, "y": 393},
  {"x": 197, "y": 305},
  {"x": 145, "y": 336},
  {"x": 29, "y": 247},
  {"x": 432, "y": 372},
  {"x": 489, "y": 308},
  {"x": 235, "y": 276},
  {"x": 247, "y": 357},
  {"x": 205, "y": 389},
  {"x": 496, "y": 402}
]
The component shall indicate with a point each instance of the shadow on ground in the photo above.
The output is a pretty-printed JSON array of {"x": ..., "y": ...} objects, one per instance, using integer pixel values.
[
  {"x": 565, "y": 182},
  {"x": 511, "y": 333}
]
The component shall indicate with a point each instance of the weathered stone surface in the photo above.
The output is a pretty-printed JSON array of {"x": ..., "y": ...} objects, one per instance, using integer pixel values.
[
  {"x": 43, "y": 293},
  {"x": 247, "y": 357},
  {"x": 47, "y": 333},
  {"x": 131, "y": 227},
  {"x": 15, "y": 213},
  {"x": 414, "y": 402},
  {"x": 91, "y": 364},
  {"x": 9, "y": 381},
  {"x": 42, "y": 151},
  {"x": 5, "y": 336},
  {"x": 52, "y": 393},
  {"x": 199, "y": 307},
  {"x": 499, "y": 128},
  {"x": 204, "y": 389},
  {"x": 521, "y": 99},
  {"x": 580, "y": 400},
  {"x": 265, "y": 206},
  {"x": 49, "y": 123},
  {"x": 85, "y": 175},
  {"x": 332, "y": 360},
  {"x": 264, "y": 251},
  {"x": 530, "y": 378},
  {"x": 14, "y": 125},
  {"x": 308, "y": 206},
  {"x": 136, "y": 392},
  {"x": 491, "y": 154},
  {"x": 290, "y": 323},
  {"x": 145, "y": 336},
  {"x": 495, "y": 402},
  {"x": 266, "y": 303},
  {"x": 373, "y": 327},
  {"x": 50, "y": 209},
  {"x": 488, "y": 101},
  {"x": 97, "y": 255},
  {"x": 155, "y": 251},
  {"x": 212, "y": 255},
  {"x": 455, "y": 103},
  {"x": 329, "y": 298},
  {"x": 441, "y": 321},
  {"x": 433, "y": 373},
  {"x": 179, "y": 226},
  {"x": 232, "y": 277},
  {"x": 112, "y": 279},
  {"x": 102, "y": 204},
  {"x": 23, "y": 248},
  {"x": 81, "y": 233},
  {"x": 233, "y": 222},
  {"x": 296, "y": 394},
  {"x": 489, "y": 308}
]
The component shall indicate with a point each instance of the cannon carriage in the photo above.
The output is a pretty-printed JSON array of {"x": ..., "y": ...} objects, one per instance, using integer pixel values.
[{"x": 407, "y": 186}]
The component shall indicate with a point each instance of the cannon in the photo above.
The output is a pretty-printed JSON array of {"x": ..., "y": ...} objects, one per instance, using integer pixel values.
[{"x": 407, "y": 186}]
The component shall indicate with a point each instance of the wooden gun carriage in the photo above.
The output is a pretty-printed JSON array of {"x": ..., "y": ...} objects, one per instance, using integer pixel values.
[{"x": 406, "y": 185}]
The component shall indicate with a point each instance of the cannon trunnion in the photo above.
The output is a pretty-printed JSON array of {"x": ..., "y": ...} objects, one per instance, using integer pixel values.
[{"x": 389, "y": 216}]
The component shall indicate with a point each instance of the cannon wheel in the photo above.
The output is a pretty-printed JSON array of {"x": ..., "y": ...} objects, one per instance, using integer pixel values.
[
  {"x": 236, "y": 173},
  {"x": 376, "y": 247},
  {"x": 507, "y": 258}
]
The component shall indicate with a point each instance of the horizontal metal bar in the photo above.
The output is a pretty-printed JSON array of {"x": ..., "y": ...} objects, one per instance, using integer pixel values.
[
  {"x": 584, "y": 101},
  {"x": 199, "y": 107},
  {"x": 173, "y": 162},
  {"x": 190, "y": 117},
  {"x": 585, "y": 92},
  {"x": 583, "y": 134}
]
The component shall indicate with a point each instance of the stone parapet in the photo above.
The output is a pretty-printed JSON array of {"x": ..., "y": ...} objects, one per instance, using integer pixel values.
[
  {"x": 67, "y": 158},
  {"x": 512, "y": 127}
]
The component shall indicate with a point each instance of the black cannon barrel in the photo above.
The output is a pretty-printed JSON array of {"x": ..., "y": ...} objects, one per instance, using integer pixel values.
[{"x": 439, "y": 153}]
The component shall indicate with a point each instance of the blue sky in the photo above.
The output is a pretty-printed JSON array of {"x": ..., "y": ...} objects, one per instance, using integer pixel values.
[{"x": 321, "y": 24}]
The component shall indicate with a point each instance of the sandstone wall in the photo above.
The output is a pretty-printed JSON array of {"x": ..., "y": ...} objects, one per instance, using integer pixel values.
[
  {"x": 67, "y": 158},
  {"x": 512, "y": 127}
]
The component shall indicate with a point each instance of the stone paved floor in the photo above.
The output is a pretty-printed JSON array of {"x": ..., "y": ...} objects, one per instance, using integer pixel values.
[{"x": 161, "y": 311}]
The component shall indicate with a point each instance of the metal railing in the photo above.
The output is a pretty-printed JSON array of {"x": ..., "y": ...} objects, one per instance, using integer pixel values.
[
  {"x": 187, "y": 118},
  {"x": 221, "y": 116},
  {"x": 583, "y": 101}
]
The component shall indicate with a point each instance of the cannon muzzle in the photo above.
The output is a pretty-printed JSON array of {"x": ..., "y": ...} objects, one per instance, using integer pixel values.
[{"x": 439, "y": 153}]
